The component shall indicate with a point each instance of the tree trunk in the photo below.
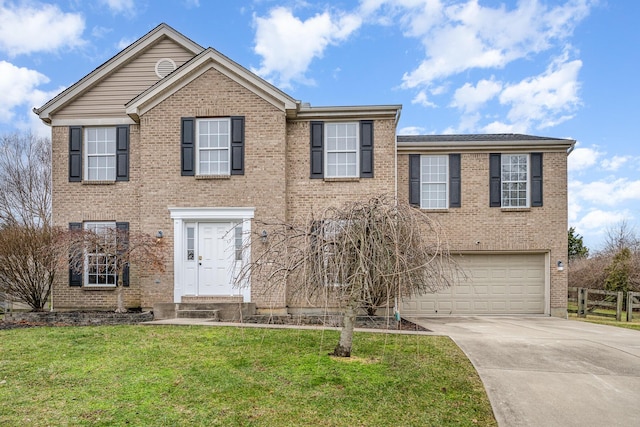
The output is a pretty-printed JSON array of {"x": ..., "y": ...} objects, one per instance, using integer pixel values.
[
  {"x": 343, "y": 349},
  {"x": 120, "y": 298}
]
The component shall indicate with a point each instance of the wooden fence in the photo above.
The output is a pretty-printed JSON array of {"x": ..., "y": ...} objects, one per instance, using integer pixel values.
[{"x": 597, "y": 302}]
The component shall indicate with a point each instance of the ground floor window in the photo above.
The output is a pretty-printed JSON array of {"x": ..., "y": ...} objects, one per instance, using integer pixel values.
[{"x": 99, "y": 268}]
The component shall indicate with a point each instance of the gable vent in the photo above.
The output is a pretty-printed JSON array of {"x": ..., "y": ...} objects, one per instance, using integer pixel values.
[{"x": 164, "y": 67}]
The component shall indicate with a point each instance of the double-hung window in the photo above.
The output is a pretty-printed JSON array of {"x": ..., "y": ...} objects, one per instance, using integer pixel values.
[
  {"x": 434, "y": 182},
  {"x": 99, "y": 263},
  {"x": 515, "y": 180},
  {"x": 341, "y": 150},
  {"x": 341, "y": 142},
  {"x": 213, "y": 142},
  {"x": 100, "y": 149}
]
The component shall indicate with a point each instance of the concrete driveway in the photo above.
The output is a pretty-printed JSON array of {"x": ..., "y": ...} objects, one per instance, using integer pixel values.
[{"x": 542, "y": 371}]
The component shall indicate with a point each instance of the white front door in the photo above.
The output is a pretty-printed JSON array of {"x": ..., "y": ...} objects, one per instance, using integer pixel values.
[
  {"x": 208, "y": 267},
  {"x": 215, "y": 258}
]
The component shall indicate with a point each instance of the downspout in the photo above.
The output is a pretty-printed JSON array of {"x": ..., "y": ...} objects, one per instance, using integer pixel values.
[{"x": 395, "y": 156}]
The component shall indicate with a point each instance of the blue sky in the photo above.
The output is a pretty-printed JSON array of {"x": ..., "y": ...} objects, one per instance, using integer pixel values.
[{"x": 561, "y": 68}]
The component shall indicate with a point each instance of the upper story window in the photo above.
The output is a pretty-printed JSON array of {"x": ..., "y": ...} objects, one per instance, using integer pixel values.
[
  {"x": 515, "y": 180},
  {"x": 341, "y": 152},
  {"x": 100, "y": 149},
  {"x": 98, "y": 153},
  {"x": 213, "y": 142},
  {"x": 341, "y": 149},
  {"x": 434, "y": 182},
  {"x": 212, "y": 146}
]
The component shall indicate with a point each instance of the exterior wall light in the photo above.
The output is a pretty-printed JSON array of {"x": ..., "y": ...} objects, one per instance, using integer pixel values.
[
  {"x": 560, "y": 266},
  {"x": 263, "y": 236},
  {"x": 159, "y": 234}
]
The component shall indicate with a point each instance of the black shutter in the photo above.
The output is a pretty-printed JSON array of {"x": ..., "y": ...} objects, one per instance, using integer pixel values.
[
  {"x": 495, "y": 181},
  {"x": 237, "y": 145},
  {"x": 123, "y": 233},
  {"x": 455, "y": 196},
  {"x": 317, "y": 152},
  {"x": 536, "y": 179},
  {"x": 122, "y": 153},
  {"x": 75, "y": 278},
  {"x": 75, "y": 154},
  {"x": 414, "y": 179},
  {"x": 366, "y": 149},
  {"x": 187, "y": 146}
]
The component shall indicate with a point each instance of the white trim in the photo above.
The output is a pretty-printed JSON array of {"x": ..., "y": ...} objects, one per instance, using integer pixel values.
[
  {"x": 326, "y": 150},
  {"x": 528, "y": 190},
  {"x": 199, "y": 149},
  {"x": 446, "y": 182},
  {"x": 206, "y": 214},
  {"x": 96, "y": 121}
]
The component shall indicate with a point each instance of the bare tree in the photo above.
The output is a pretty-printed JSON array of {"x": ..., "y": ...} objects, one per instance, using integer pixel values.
[
  {"x": 28, "y": 262},
  {"x": 25, "y": 180},
  {"x": 27, "y": 257},
  {"x": 621, "y": 236},
  {"x": 106, "y": 253},
  {"x": 359, "y": 256}
]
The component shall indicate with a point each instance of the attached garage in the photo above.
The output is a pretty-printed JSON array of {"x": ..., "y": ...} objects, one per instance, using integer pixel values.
[{"x": 494, "y": 284}]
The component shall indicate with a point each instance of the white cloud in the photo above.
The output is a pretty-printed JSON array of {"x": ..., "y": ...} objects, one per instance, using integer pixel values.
[
  {"x": 422, "y": 99},
  {"x": 126, "y": 7},
  {"x": 124, "y": 42},
  {"x": 466, "y": 35},
  {"x": 614, "y": 163},
  {"x": 544, "y": 100},
  {"x": 471, "y": 98},
  {"x": 17, "y": 86},
  {"x": 583, "y": 158},
  {"x": 22, "y": 27},
  {"x": 609, "y": 191},
  {"x": 597, "y": 220},
  {"x": 411, "y": 130},
  {"x": 288, "y": 44}
]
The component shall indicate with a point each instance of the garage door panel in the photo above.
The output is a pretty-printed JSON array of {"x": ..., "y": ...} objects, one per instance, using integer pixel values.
[{"x": 494, "y": 284}]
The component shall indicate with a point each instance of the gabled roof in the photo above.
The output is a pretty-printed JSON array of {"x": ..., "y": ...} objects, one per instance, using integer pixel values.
[
  {"x": 477, "y": 142},
  {"x": 77, "y": 89},
  {"x": 205, "y": 60}
]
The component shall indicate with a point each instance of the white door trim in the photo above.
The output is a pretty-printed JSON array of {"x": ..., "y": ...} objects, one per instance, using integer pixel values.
[{"x": 204, "y": 214}]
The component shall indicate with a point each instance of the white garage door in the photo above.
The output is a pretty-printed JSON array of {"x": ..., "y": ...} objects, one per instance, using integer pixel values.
[{"x": 495, "y": 284}]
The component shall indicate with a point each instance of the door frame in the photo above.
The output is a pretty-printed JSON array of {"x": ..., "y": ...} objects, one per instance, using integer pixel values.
[{"x": 180, "y": 216}]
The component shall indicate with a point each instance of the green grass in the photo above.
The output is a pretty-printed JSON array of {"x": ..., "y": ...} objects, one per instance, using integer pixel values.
[
  {"x": 634, "y": 324},
  {"x": 196, "y": 376}
]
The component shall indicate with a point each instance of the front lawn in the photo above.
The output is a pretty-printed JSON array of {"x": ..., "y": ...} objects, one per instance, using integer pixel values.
[{"x": 178, "y": 375}]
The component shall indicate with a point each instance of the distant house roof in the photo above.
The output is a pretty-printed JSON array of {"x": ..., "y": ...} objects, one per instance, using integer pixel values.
[{"x": 471, "y": 142}]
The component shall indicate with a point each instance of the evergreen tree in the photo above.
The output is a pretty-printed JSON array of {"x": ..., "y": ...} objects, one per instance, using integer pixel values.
[{"x": 577, "y": 249}]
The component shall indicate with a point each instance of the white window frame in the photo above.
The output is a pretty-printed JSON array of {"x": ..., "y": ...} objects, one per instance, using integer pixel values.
[
  {"x": 342, "y": 150},
  {"x": 94, "y": 226},
  {"x": 431, "y": 203},
  {"x": 111, "y": 171},
  {"x": 511, "y": 202},
  {"x": 200, "y": 150}
]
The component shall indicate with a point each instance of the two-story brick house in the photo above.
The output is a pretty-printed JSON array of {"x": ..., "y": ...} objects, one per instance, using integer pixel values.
[{"x": 173, "y": 139}]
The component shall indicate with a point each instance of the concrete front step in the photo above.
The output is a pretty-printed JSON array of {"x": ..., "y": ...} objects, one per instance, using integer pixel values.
[
  {"x": 237, "y": 299},
  {"x": 226, "y": 312},
  {"x": 198, "y": 314}
]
